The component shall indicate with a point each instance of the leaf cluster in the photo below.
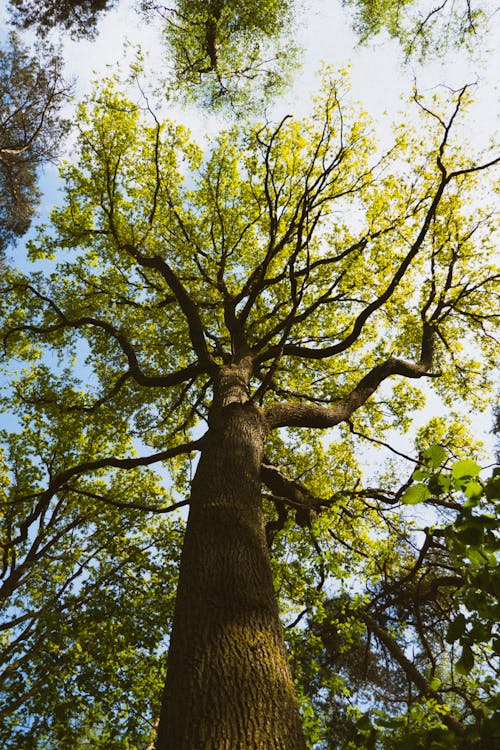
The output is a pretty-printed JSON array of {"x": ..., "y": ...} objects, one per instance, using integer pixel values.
[
  {"x": 32, "y": 92},
  {"x": 79, "y": 17}
]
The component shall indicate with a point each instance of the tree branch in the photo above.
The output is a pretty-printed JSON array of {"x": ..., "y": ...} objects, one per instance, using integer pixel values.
[
  {"x": 59, "y": 480},
  {"x": 409, "y": 668},
  {"x": 186, "y": 304},
  {"x": 135, "y": 371},
  {"x": 129, "y": 506},
  {"x": 364, "y": 315},
  {"x": 312, "y": 415},
  {"x": 294, "y": 493}
]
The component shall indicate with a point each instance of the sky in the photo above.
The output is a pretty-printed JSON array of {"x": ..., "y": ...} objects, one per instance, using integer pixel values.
[{"x": 379, "y": 80}]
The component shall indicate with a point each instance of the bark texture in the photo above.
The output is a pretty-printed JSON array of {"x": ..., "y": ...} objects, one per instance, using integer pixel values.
[{"x": 228, "y": 683}]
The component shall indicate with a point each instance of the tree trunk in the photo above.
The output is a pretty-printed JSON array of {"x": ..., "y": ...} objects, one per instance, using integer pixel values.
[{"x": 228, "y": 683}]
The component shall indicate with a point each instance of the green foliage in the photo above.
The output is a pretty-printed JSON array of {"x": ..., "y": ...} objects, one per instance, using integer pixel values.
[
  {"x": 79, "y": 17},
  {"x": 460, "y": 650},
  {"x": 223, "y": 53},
  {"x": 234, "y": 54},
  {"x": 32, "y": 92},
  {"x": 84, "y": 631},
  {"x": 422, "y": 27},
  {"x": 160, "y": 265},
  {"x": 241, "y": 52},
  {"x": 417, "y": 493}
]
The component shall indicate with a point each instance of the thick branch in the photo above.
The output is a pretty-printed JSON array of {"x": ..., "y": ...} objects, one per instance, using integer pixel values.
[
  {"x": 312, "y": 415},
  {"x": 59, "y": 480},
  {"x": 364, "y": 315},
  {"x": 292, "y": 492},
  {"x": 128, "y": 506},
  {"x": 174, "y": 378},
  {"x": 359, "y": 323},
  {"x": 186, "y": 304}
]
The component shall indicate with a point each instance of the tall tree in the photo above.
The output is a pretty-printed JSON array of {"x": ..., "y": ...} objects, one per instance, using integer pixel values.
[
  {"x": 32, "y": 92},
  {"x": 423, "y": 28},
  {"x": 237, "y": 53},
  {"x": 79, "y": 17},
  {"x": 236, "y": 305}
]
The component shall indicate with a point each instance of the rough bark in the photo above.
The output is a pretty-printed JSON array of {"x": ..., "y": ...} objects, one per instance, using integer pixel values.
[{"x": 228, "y": 683}]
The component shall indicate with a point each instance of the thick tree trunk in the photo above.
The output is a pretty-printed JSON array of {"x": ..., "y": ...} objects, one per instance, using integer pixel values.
[{"x": 228, "y": 681}]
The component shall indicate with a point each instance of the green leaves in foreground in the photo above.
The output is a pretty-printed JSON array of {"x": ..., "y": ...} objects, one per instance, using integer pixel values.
[
  {"x": 473, "y": 544},
  {"x": 417, "y": 493},
  {"x": 461, "y": 478}
]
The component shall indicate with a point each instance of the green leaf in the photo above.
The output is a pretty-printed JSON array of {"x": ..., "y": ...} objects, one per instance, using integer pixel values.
[
  {"x": 473, "y": 490},
  {"x": 480, "y": 631},
  {"x": 417, "y": 493},
  {"x": 466, "y": 661},
  {"x": 492, "y": 490},
  {"x": 439, "y": 483},
  {"x": 420, "y": 474},
  {"x": 471, "y": 533},
  {"x": 465, "y": 468},
  {"x": 434, "y": 455},
  {"x": 476, "y": 557},
  {"x": 456, "y": 628}
]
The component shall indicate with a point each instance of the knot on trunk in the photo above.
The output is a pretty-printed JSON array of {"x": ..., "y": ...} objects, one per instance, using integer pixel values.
[{"x": 231, "y": 386}]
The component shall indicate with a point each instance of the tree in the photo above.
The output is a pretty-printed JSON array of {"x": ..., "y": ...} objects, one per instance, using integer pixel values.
[
  {"x": 32, "y": 92},
  {"x": 236, "y": 304},
  {"x": 422, "y": 28},
  {"x": 235, "y": 48},
  {"x": 234, "y": 53},
  {"x": 79, "y": 17}
]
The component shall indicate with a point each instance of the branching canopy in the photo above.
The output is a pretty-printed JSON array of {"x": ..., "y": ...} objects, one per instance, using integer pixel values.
[{"x": 329, "y": 280}]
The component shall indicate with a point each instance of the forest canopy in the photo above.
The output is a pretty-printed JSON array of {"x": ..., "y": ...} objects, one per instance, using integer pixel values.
[
  {"x": 237, "y": 52},
  {"x": 216, "y": 356}
]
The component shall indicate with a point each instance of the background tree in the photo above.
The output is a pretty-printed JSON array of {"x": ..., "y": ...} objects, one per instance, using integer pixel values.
[
  {"x": 239, "y": 54},
  {"x": 79, "y": 17},
  {"x": 236, "y": 304},
  {"x": 420, "y": 27},
  {"x": 446, "y": 592},
  {"x": 233, "y": 47},
  {"x": 32, "y": 92}
]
